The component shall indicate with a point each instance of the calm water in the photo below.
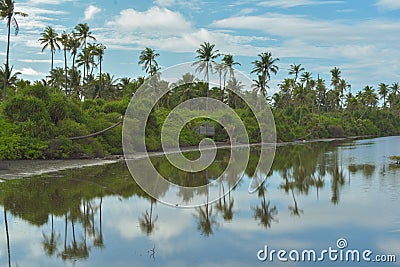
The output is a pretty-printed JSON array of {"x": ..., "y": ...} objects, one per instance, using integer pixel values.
[{"x": 315, "y": 194}]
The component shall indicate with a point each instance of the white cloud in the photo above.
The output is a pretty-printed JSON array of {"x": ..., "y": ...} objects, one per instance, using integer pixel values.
[
  {"x": 56, "y": 61},
  {"x": 388, "y": 4},
  {"x": 155, "y": 19},
  {"x": 165, "y": 2},
  {"x": 48, "y": 2},
  {"x": 30, "y": 72},
  {"x": 295, "y": 3},
  {"x": 91, "y": 11}
]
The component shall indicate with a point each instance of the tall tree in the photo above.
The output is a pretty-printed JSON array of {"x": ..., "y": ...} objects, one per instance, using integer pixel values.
[
  {"x": 65, "y": 42},
  {"x": 335, "y": 80},
  {"x": 206, "y": 56},
  {"x": 99, "y": 53},
  {"x": 8, "y": 13},
  {"x": 383, "y": 92},
  {"x": 263, "y": 68},
  {"x": 50, "y": 40},
  {"x": 147, "y": 59},
  {"x": 295, "y": 70},
  {"x": 83, "y": 33}
]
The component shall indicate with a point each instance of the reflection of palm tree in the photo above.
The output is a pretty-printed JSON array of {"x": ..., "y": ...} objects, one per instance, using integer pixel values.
[
  {"x": 147, "y": 223},
  {"x": 206, "y": 219},
  {"x": 294, "y": 210},
  {"x": 7, "y": 236},
  {"x": 98, "y": 240},
  {"x": 226, "y": 207},
  {"x": 50, "y": 243},
  {"x": 265, "y": 213}
]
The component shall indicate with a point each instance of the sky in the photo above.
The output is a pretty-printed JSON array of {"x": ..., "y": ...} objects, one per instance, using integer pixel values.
[{"x": 360, "y": 37}]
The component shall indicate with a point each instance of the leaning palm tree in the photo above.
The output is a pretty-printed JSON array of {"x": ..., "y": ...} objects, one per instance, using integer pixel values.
[
  {"x": 148, "y": 61},
  {"x": 50, "y": 40},
  {"x": 263, "y": 68},
  {"x": 8, "y": 13}
]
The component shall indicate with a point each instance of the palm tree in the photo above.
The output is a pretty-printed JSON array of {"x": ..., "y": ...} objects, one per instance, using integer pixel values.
[
  {"x": 383, "y": 92},
  {"x": 263, "y": 68},
  {"x": 395, "y": 87},
  {"x": 206, "y": 56},
  {"x": 8, "y": 12},
  {"x": 147, "y": 58},
  {"x": 65, "y": 41},
  {"x": 306, "y": 78},
  {"x": 99, "y": 53},
  {"x": 335, "y": 72},
  {"x": 295, "y": 70},
  {"x": 50, "y": 40},
  {"x": 12, "y": 77},
  {"x": 83, "y": 34},
  {"x": 228, "y": 62}
]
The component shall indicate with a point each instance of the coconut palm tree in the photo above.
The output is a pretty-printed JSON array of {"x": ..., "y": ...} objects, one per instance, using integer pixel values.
[
  {"x": 7, "y": 12},
  {"x": 335, "y": 72},
  {"x": 147, "y": 59},
  {"x": 295, "y": 70},
  {"x": 65, "y": 41},
  {"x": 83, "y": 33},
  {"x": 99, "y": 53},
  {"x": 50, "y": 40},
  {"x": 263, "y": 68},
  {"x": 383, "y": 92},
  {"x": 395, "y": 88},
  {"x": 206, "y": 56},
  {"x": 12, "y": 77}
]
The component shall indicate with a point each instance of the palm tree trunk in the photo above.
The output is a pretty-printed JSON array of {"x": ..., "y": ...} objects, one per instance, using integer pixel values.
[
  {"x": 66, "y": 71},
  {"x": 52, "y": 60},
  {"x": 6, "y": 72},
  {"x": 101, "y": 80}
]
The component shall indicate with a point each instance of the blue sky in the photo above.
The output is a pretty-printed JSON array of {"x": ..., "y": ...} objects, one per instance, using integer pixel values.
[{"x": 361, "y": 37}]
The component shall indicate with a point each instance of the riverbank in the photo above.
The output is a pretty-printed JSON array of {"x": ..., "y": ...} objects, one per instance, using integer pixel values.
[{"x": 16, "y": 169}]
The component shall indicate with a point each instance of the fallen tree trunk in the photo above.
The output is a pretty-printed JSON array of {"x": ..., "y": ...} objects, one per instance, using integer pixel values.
[{"x": 96, "y": 133}]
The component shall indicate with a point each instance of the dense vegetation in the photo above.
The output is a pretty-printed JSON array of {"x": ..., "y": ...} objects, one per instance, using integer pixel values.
[{"x": 40, "y": 119}]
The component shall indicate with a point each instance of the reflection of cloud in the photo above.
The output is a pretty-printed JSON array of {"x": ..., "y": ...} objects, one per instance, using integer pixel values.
[{"x": 390, "y": 246}]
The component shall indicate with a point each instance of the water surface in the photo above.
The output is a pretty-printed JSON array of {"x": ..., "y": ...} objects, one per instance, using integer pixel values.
[{"x": 314, "y": 194}]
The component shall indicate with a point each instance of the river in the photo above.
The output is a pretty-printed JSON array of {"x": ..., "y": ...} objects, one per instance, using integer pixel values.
[{"x": 315, "y": 195}]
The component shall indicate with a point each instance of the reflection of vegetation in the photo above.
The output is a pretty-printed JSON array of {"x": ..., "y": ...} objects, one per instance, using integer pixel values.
[
  {"x": 366, "y": 169},
  {"x": 395, "y": 159},
  {"x": 7, "y": 237},
  {"x": 77, "y": 197},
  {"x": 147, "y": 222},
  {"x": 207, "y": 220},
  {"x": 265, "y": 212}
]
